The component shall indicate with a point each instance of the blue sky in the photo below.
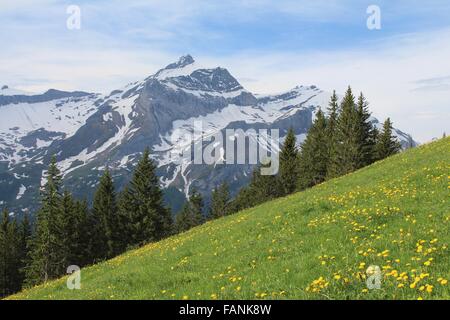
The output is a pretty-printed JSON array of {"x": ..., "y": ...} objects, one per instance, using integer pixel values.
[{"x": 270, "y": 46}]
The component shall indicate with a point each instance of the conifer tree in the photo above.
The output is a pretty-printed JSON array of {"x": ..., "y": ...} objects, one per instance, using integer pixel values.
[
  {"x": 192, "y": 213},
  {"x": 262, "y": 188},
  {"x": 105, "y": 219},
  {"x": 126, "y": 204},
  {"x": 220, "y": 202},
  {"x": 314, "y": 154},
  {"x": 243, "y": 200},
  {"x": 289, "y": 170},
  {"x": 346, "y": 154},
  {"x": 48, "y": 252},
  {"x": 196, "y": 201},
  {"x": 10, "y": 276},
  {"x": 68, "y": 230},
  {"x": 142, "y": 205},
  {"x": 183, "y": 220},
  {"x": 366, "y": 134},
  {"x": 387, "y": 145},
  {"x": 81, "y": 250},
  {"x": 332, "y": 122},
  {"x": 3, "y": 256},
  {"x": 76, "y": 230},
  {"x": 25, "y": 235}
]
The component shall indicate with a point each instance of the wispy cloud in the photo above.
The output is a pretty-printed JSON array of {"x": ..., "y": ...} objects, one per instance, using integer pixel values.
[
  {"x": 382, "y": 70},
  {"x": 433, "y": 84}
]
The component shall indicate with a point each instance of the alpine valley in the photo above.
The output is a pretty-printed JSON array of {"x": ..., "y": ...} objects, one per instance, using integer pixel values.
[{"x": 88, "y": 132}]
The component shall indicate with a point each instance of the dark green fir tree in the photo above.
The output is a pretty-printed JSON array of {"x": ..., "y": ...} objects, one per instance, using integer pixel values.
[
  {"x": 314, "y": 154},
  {"x": 366, "y": 133},
  {"x": 192, "y": 213},
  {"x": 10, "y": 258},
  {"x": 220, "y": 202},
  {"x": 387, "y": 145},
  {"x": 289, "y": 171},
  {"x": 346, "y": 154},
  {"x": 106, "y": 222},
  {"x": 142, "y": 205},
  {"x": 48, "y": 249},
  {"x": 332, "y": 122}
]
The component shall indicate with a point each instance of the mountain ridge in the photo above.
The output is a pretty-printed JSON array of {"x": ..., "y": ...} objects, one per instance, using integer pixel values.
[{"x": 89, "y": 131}]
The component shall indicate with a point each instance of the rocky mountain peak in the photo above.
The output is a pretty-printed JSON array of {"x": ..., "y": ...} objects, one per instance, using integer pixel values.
[
  {"x": 182, "y": 62},
  {"x": 183, "y": 67},
  {"x": 187, "y": 74}
]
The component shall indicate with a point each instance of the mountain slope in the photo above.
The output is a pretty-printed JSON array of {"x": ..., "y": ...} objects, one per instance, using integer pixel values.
[
  {"x": 312, "y": 245},
  {"x": 88, "y": 132}
]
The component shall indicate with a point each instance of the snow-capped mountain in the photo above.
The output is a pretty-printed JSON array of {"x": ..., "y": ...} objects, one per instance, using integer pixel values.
[{"x": 89, "y": 131}]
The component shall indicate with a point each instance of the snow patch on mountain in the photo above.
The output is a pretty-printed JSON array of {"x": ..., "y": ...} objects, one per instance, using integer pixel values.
[
  {"x": 124, "y": 108},
  {"x": 17, "y": 121},
  {"x": 21, "y": 192},
  {"x": 184, "y": 67}
]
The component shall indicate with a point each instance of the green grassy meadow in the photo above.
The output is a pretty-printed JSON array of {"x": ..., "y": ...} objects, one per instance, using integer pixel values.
[{"x": 315, "y": 244}]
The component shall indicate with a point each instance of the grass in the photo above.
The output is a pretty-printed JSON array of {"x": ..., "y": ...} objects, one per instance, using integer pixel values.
[{"x": 315, "y": 244}]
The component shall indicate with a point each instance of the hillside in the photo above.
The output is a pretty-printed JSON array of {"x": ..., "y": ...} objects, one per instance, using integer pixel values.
[{"x": 312, "y": 245}]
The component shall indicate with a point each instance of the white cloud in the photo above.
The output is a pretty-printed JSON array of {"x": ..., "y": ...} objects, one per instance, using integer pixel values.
[
  {"x": 116, "y": 46},
  {"x": 387, "y": 72}
]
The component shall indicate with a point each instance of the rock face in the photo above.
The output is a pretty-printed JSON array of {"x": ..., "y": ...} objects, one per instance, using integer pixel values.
[{"x": 88, "y": 132}]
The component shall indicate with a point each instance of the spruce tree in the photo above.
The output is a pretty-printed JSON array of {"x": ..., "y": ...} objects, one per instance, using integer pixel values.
[
  {"x": 69, "y": 230},
  {"x": 10, "y": 264},
  {"x": 76, "y": 230},
  {"x": 387, "y": 145},
  {"x": 262, "y": 188},
  {"x": 25, "y": 235},
  {"x": 243, "y": 200},
  {"x": 346, "y": 154},
  {"x": 196, "y": 201},
  {"x": 220, "y": 202},
  {"x": 82, "y": 251},
  {"x": 126, "y": 204},
  {"x": 332, "y": 122},
  {"x": 183, "y": 220},
  {"x": 142, "y": 205},
  {"x": 48, "y": 251},
  {"x": 192, "y": 213},
  {"x": 314, "y": 154},
  {"x": 366, "y": 134},
  {"x": 105, "y": 216},
  {"x": 5, "y": 255},
  {"x": 289, "y": 170}
]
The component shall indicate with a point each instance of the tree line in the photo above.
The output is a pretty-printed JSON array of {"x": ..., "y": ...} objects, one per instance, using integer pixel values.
[
  {"x": 339, "y": 142},
  {"x": 68, "y": 232}
]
